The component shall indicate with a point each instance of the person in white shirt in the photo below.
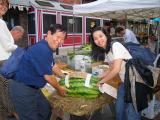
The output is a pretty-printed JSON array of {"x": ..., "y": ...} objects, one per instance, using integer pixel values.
[
  {"x": 114, "y": 53},
  {"x": 7, "y": 46},
  {"x": 128, "y": 35},
  {"x": 108, "y": 26}
]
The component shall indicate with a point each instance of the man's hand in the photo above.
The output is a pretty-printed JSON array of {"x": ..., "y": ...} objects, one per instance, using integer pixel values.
[
  {"x": 62, "y": 91},
  {"x": 53, "y": 81}
]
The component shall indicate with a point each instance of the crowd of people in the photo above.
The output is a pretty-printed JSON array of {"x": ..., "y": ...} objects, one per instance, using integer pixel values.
[{"x": 142, "y": 38}]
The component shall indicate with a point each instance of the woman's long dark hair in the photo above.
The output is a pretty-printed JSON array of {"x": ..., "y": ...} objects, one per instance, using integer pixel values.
[{"x": 98, "y": 53}]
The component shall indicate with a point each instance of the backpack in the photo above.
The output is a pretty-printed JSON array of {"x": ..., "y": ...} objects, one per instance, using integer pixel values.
[
  {"x": 139, "y": 52},
  {"x": 142, "y": 58},
  {"x": 10, "y": 66}
]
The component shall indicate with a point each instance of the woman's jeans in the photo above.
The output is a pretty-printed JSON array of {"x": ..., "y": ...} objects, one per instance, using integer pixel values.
[{"x": 125, "y": 111}]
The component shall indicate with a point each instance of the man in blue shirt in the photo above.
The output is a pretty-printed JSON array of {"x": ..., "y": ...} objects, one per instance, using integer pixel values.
[
  {"x": 34, "y": 71},
  {"x": 127, "y": 34}
]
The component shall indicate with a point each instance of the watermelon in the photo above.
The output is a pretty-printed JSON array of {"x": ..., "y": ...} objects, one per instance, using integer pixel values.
[{"x": 77, "y": 87}]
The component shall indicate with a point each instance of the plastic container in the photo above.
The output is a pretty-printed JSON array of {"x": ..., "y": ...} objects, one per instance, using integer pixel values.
[{"x": 153, "y": 109}]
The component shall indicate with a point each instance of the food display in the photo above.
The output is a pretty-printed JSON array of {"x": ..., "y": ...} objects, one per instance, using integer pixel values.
[
  {"x": 83, "y": 96},
  {"x": 77, "y": 87},
  {"x": 86, "y": 47}
]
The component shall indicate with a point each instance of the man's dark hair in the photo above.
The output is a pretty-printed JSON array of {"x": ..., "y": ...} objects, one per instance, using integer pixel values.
[
  {"x": 54, "y": 27},
  {"x": 119, "y": 29}
]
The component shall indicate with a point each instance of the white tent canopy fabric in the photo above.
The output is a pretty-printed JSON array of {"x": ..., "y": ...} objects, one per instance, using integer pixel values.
[{"x": 134, "y": 9}]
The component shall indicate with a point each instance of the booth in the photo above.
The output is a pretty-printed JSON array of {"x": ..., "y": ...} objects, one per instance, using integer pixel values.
[{"x": 43, "y": 13}]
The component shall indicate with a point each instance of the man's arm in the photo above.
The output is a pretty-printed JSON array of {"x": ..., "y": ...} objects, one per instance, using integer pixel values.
[
  {"x": 53, "y": 81},
  {"x": 57, "y": 70}
]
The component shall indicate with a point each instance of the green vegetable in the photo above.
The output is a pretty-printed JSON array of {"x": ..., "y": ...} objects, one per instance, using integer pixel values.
[
  {"x": 86, "y": 47},
  {"x": 71, "y": 55}
]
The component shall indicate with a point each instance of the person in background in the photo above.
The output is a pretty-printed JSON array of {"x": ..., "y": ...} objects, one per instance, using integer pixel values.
[
  {"x": 112, "y": 29},
  {"x": 108, "y": 26},
  {"x": 152, "y": 42},
  {"x": 128, "y": 35},
  {"x": 17, "y": 33},
  {"x": 92, "y": 26},
  {"x": 114, "y": 54},
  {"x": 34, "y": 71},
  {"x": 7, "y": 46},
  {"x": 143, "y": 39}
]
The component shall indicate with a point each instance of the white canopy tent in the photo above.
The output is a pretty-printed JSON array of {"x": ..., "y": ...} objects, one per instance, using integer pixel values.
[
  {"x": 121, "y": 9},
  {"x": 130, "y": 9},
  {"x": 21, "y": 4}
]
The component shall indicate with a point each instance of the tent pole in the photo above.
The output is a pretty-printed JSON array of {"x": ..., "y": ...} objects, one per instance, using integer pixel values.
[
  {"x": 158, "y": 34},
  {"x": 126, "y": 20},
  {"x": 148, "y": 30},
  {"x": 73, "y": 33},
  {"x": 74, "y": 28},
  {"x": 74, "y": 39}
]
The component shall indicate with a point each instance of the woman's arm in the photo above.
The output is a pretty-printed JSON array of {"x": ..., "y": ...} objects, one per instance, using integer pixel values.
[
  {"x": 104, "y": 73},
  {"x": 115, "y": 69}
]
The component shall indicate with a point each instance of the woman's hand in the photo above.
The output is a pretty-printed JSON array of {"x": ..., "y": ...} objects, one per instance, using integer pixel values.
[
  {"x": 102, "y": 75},
  {"x": 100, "y": 83}
]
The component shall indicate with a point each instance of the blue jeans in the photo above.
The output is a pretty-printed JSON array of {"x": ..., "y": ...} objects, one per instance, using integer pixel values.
[
  {"x": 30, "y": 103},
  {"x": 125, "y": 111}
]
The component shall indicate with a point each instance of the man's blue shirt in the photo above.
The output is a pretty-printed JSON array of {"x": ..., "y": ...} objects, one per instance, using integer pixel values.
[{"x": 36, "y": 62}]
